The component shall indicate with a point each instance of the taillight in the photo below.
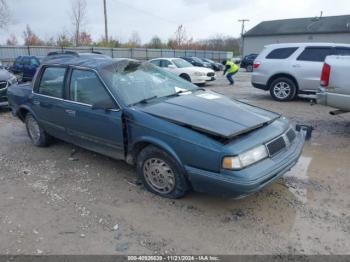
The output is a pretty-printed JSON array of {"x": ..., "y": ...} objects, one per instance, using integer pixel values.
[
  {"x": 256, "y": 65},
  {"x": 326, "y": 72}
]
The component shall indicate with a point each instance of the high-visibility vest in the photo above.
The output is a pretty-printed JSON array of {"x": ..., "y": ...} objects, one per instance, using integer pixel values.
[{"x": 233, "y": 67}]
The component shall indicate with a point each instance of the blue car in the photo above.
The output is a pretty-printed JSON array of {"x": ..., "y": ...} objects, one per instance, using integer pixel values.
[
  {"x": 25, "y": 66},
  {"x": 179, "y": 137}
]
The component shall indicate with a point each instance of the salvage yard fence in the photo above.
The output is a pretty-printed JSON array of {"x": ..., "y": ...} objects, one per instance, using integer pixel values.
[{"x": 9, "y": 53}]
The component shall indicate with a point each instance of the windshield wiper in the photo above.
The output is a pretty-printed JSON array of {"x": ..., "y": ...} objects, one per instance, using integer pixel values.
[
  {"x": 177, "y": 93},
  {"x": 144, "y": 101}
]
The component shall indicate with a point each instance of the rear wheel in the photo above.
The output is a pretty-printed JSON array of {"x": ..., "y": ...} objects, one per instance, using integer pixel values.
[
  {"x": 161, "y": 174},
  {"x": 36, "y": 134},
  {"x": 283, "y": 89}
]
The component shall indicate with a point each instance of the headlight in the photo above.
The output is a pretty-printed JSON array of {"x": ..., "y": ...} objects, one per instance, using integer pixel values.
[
  {"x": 199, "y": 74},
  {"x": 245, "y": 159},
  {"x": 12, "y": 80}
]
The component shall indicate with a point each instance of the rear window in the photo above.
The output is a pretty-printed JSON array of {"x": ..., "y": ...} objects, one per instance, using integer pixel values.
[
  {"x": 281, "y": 53},
  {"x": 342, "y": 51},
  {"x": 315, "y": 54}
]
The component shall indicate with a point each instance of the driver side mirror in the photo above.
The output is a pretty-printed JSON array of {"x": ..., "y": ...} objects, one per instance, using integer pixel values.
[
  {"x": 171, "y": 66},
  {"x": 106, "y": 104}
]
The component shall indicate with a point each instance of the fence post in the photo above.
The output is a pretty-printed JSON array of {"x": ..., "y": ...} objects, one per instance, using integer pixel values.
[
  {"x": 161, "y": 52},
  {"x": 174, "y": 53},
  {"x": 28, "y": 49},
  {"x": 92, "y": 49},
  {"x": 112, "y": 52},
  {"x": 146, "y": 53},
  {"x": 131, "y": 53}
]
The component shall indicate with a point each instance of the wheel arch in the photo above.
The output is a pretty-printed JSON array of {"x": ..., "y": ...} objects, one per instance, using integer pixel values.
[
  {"x": 143, "y": 142},
  {"x": 23, "y": 111},
  {"x": 182, "y": 75},
  {"x": 286, "y": 75}
]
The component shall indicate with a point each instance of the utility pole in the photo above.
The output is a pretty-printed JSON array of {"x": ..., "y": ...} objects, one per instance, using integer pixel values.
[
  {"x": 106, "y": 25},
  {"x": 242, "y": 33}
]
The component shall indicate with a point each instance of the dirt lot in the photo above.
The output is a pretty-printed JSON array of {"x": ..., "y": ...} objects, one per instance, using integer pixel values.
[{"x": 62, "y": 200}]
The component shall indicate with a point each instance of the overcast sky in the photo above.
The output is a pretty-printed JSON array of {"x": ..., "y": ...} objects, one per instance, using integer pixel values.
[{"x": 201, "y": 18}]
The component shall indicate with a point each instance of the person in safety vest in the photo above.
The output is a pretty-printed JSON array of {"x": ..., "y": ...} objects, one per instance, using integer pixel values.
[{"x": 231, "y": 69}]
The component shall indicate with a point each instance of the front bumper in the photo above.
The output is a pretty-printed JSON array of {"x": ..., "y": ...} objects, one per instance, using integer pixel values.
[
  {"x": 259, "y": 175},
  {"x": 201, "y": 79}
]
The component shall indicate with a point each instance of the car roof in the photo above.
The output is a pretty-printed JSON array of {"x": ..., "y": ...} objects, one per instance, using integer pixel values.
[
  {"x": 305, "y": 44},
  {"x": 88, "y": 60}
]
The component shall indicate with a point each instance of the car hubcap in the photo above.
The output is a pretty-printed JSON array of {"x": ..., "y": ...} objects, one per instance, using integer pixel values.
[
  {"x": 33, "y": 129},
  {"x": 159, "y": 175},
  {"x": 282, "y": 90}
]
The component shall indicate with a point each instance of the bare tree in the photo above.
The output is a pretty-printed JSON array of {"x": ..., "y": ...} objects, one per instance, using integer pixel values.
[
  {"x": 180, "y": 36},
  {"x": 134, "y": 40},
  {"x": 12, "y": 40},
  {"x": 5, "y": 16},
  {"x": 30, "y": 38},
  {"x": 78, "y": 16}
]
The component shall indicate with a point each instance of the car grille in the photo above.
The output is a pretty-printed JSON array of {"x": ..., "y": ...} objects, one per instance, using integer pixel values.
[
  {"x": 278, "y": 144},
  {"x": 211, "y": 74},
  {"x": 3, "y": 84}
]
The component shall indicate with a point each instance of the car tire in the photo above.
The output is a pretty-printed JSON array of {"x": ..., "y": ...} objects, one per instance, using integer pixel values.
[
  {"x": 249, "y": 68},
  {"x": 154, "y": 165},
  {"x": 283, "y": 89},
  {"x": 186, "y": 77},
  {"x": 36, "y": 134}
]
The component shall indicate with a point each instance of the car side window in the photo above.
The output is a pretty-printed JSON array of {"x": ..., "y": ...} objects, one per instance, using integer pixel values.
[
  {"x": 164, "y": 63},
  {"x": 52, "y": 82},
  {"x": 342, "y": 51},
  {"x": 34, "y": 62},
  {"x": 86, "y": 87},
  {"x": 155, "y": 62},
  {"x": 315, "y": 54},
  {"x": 281, "y": 53},
  {"x": 26, "y": 61}
]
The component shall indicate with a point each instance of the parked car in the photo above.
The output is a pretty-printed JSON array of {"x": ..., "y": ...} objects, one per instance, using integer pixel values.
[
  {"x": 287, "y": 70},
  {"x": 248, "y": 61},
  {"x": 25, "y": 66},
  {"x": 182, "y": 68},
  {"x": 195, "y": 61},
  {"x": 214, "y": 65},
  {"x": 335, "y": 84},
  {"x": 178, "y": 135},
  {"x": 6, "y": 79}
]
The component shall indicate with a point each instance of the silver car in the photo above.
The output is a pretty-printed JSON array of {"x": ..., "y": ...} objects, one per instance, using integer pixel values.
[{"x": 287, "y": 70}]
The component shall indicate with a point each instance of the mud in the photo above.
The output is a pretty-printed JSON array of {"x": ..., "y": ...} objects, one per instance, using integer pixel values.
[{"x": 66, "y": 200}]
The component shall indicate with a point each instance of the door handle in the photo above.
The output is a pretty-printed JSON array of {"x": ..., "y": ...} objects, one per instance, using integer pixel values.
[
  {"x": 36, "y": 102},
  {"x": 296, "y": 66},
  {"x": 70, "y": 112}
]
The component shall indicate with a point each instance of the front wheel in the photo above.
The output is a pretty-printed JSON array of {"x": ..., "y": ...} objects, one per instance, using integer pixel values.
[
  {"x": 283, "y": 89},
  {"x": 186, "y": 77},
  {"x": 161, "y": 174},
  {"x": 36, "y": 134}
]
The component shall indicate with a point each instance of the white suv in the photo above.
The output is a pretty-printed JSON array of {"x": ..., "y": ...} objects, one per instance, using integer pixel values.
[{"x": 287, "y": 70}]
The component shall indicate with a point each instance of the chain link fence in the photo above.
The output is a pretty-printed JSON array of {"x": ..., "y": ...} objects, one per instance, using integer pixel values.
[{"x": 9, "y": 53}]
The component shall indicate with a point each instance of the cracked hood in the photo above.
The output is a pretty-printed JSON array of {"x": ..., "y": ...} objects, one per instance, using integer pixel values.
[{"x": 211, "y": 113}]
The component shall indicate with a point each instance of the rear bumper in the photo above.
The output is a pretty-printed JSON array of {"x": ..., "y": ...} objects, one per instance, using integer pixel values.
[
  {"x": 235, "y": 185},
  {"x": 340, "y": 101}
]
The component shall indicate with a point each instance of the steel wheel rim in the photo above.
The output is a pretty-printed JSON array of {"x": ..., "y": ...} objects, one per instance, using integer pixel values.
[
  {"x": 159, "y": 176},
  {"x": 282, "y": 90},
  {"x": 33, "y": 129}
]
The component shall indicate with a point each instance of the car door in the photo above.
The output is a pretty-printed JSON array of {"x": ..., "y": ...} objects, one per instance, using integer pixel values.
[
  {"x": 99, "y": 130},
  {"x": 308, "y": 66},
  {"x": 47, "y": 100}
]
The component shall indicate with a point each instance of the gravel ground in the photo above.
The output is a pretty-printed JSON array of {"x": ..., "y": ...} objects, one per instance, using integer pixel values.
[{"x": 66, "y": 200}]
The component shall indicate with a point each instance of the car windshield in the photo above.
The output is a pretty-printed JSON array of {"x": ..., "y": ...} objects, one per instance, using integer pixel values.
[
  {"x": 180, "y": 63},
  {"x": 196, "y": 59},
  {"x": 209, "y": 61},
  {"x": 135, "y": 82}
]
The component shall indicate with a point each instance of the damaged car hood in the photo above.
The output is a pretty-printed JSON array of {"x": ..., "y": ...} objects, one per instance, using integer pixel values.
[{"x": 211, "y": 113}]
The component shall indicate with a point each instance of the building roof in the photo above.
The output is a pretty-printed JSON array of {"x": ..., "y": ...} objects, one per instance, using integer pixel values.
[{"x": 309, "y": 25}]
